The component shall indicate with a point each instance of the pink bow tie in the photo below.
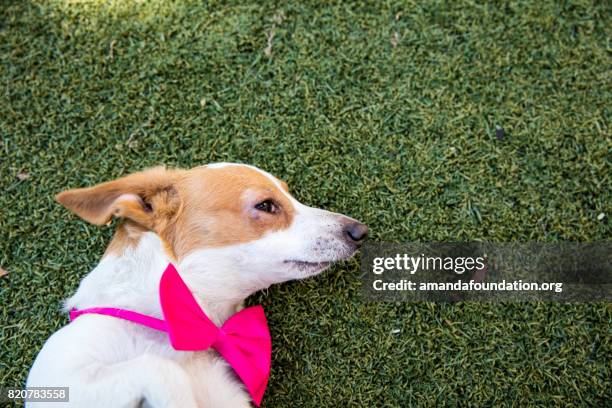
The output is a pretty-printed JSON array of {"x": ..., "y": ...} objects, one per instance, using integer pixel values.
[{"x": 243, "y": 340}]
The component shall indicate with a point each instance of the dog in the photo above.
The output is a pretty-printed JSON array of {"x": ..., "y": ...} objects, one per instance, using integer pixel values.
[{"x": 231, "y": 230}]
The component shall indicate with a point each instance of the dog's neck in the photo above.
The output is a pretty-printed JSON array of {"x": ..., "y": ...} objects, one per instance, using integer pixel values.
[{"x": 128, "y": 277}]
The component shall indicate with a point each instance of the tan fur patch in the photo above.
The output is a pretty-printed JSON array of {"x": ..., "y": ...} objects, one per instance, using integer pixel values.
[
  {"x": 128, "y": 235},
  {"x": 125, "y": 197},
  {"x": 189, "y": 209},
  {"x": 218, "y": 208}
]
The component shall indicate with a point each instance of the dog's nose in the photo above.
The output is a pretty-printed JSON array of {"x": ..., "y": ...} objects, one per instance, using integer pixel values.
[{"x": 356, "y": 231}]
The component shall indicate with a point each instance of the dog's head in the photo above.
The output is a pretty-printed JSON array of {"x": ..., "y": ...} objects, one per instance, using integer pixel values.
[{"x": 234, "y": 217}]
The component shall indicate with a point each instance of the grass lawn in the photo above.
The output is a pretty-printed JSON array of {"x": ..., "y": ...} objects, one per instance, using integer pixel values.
[{"x": 390, "y": 112}]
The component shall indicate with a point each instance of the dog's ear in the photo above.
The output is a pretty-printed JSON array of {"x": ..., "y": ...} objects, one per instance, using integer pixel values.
[{"x": 149, "y": 198}]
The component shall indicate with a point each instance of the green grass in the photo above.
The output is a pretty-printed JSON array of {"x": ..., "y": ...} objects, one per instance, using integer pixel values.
[{"x": 384, "y": 111}]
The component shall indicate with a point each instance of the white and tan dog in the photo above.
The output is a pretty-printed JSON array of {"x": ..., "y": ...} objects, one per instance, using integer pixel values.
[{"x": 231, "y": 230}]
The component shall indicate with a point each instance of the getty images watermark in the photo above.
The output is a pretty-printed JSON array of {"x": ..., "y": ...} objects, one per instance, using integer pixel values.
[{"x": 488, "y": 272}]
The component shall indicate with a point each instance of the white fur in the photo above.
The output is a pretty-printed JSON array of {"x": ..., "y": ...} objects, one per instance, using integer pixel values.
[{"x": 108, "y": 362}]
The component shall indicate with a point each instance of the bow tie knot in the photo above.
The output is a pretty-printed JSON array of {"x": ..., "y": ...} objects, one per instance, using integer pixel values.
[{"x": 219, "y": 339}]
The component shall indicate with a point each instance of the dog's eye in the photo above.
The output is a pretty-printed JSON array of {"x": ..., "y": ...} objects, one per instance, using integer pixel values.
[{"x": 267, "y": 206}]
